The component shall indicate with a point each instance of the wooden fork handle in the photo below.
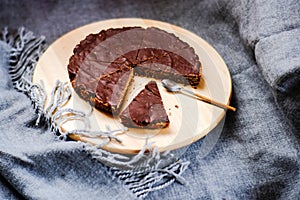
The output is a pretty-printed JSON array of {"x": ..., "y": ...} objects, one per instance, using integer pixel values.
[{"x": 210, "y": 101}]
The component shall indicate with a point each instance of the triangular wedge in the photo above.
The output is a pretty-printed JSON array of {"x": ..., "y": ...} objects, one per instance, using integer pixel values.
[{"x": 146, "y": 110}]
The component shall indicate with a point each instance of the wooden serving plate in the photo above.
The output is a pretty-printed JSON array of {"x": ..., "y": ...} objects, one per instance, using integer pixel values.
[{"x": 190, "y": 119}]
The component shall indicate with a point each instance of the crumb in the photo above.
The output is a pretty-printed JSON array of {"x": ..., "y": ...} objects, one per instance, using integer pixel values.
[
  {"x": 195, "y": 87},
  {"x": 170, "y": 113},
  {"x": 169, "y": 108},
  {"x": 176, "y": 106}
]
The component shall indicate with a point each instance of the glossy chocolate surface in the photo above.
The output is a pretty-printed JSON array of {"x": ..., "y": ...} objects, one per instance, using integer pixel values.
[
  {"x": 146, "y": 110},
  {"x": 102, "y": 64}
]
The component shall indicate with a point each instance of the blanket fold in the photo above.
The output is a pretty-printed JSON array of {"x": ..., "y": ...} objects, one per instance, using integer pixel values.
[{"x": 272, "y": 30}]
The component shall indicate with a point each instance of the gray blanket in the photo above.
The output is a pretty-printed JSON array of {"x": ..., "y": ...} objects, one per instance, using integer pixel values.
[{"x": 255, "y": 157}]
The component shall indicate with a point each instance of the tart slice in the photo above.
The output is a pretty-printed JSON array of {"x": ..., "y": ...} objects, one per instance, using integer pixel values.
[{"x": 146, "y": 110}]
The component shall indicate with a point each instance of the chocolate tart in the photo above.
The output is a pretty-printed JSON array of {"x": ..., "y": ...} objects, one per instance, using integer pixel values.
[
  {"x": 146, "y": 110},
  {"x": 103, "y": 64}
]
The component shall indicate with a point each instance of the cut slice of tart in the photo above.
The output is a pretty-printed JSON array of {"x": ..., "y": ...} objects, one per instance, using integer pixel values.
[{"x": 146, "y": 110}]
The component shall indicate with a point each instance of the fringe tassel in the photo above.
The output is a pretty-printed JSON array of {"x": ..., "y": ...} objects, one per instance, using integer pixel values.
[
  {"x": 145, "y": 172},
  {"x": 143, "y": 181}
]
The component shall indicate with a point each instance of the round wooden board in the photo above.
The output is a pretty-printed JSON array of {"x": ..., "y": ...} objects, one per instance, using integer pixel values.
[{"x": 190, "y": 119}]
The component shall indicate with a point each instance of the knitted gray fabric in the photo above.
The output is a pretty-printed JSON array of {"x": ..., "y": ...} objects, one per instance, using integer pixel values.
[
  {"x": 271, "y": 28},
  {"x": 257, "y": 154},
  {"x": 36, "y": 165}
]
